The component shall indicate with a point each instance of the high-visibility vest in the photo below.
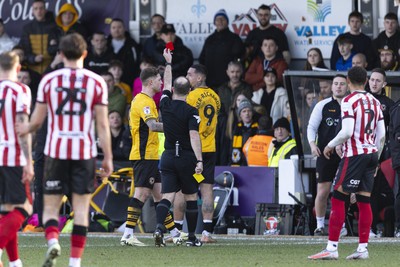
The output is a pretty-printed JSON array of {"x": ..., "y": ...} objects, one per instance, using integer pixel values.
[
  {"x": 281, "y": 153},
  {"x": 256, "y": 150}
]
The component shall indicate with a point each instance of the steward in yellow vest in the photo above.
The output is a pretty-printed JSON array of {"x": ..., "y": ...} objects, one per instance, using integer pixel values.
[{"x": 284, "y": 145}]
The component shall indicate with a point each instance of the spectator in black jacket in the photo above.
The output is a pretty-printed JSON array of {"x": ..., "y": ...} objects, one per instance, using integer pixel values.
[
  {"x": 388, "y": 38},
  {"x": 183, "y": 57},
  {"x": 121, "y": 140},
  {"x": 35, "y": 37},
  {"x": 125, "y": 49},
  {"x": 361, "y": 42},
  {"x": 150, "y": 44},
  {"x": 219, "y": 49},
  {"x": 99, "y": 56}
]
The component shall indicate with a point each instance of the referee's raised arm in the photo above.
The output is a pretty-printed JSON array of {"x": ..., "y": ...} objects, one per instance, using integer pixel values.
[{"x": 168, "y": 70}]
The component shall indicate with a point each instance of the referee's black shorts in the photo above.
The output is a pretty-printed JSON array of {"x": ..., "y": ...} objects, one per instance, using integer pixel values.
[{"x": 177, "y": 172}]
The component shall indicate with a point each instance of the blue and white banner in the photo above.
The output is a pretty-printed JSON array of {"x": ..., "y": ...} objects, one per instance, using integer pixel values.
[{"x": 307, "y": 23}]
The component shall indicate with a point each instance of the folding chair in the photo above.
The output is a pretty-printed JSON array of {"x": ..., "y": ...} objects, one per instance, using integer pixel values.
[
  {"x": 116, "y": 203},
  {"x": 223, "y": 186}
]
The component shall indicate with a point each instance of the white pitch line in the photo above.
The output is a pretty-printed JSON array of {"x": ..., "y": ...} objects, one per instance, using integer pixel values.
[{"x": 257, "y": 239}]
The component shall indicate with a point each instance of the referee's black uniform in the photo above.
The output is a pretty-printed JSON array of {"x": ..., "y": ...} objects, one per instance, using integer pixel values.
[{"x": 178, "y": 161}]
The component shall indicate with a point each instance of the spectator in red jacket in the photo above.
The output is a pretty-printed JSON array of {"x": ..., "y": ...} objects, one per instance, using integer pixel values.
[{"x": 255, "y": 73}]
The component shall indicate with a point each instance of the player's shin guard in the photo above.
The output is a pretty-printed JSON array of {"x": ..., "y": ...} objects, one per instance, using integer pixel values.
[
  {"x": 78, "y": 241},
  {"x": 337, "y": 215},
  {"x": 191, "y": 216},
  {"x": 365, "y": 220}
]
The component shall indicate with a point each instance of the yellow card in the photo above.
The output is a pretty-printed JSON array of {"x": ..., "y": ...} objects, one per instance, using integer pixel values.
[{"x": 198, "y": 177}]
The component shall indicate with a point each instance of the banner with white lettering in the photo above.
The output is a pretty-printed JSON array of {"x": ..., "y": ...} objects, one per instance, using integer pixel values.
[
  {"x": 307, "y": 23},
  {"x": 94, "y": 14}
]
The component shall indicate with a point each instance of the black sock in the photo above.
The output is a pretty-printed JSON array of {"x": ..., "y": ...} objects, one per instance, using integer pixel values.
[
  {"x": 208, "y": 226},
  {"x": 179, "y": 226},
  {"x": 191, "y": 217},
  {"x": 162, "y": 211}
]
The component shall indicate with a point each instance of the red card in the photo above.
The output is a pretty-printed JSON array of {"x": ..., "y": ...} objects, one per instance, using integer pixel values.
[{"x": 170, "y": 46}]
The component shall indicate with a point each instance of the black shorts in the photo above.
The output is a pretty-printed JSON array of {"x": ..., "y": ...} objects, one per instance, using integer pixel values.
[
  {"x": 327, "y": 168},
  {"x": 69, "y": 176},
  {"x": 209, "y": 160},
  {"x": 146, "y": 173},
  {"x": 177, "y": 172},
  {"x": 356, "y": 173},
  {"x": 12, "y": 190}
]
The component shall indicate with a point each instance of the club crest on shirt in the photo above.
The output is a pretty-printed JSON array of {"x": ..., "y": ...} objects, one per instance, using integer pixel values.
[{"x": 146, "y": 110}]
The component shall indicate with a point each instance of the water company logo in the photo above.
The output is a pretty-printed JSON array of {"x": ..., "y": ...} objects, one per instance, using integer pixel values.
[
  {"x": 319, "y": 9},
  {"x": 198, "y": 9}
]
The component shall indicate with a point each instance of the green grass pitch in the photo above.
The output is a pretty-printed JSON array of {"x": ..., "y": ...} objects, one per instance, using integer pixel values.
[{"x": 104, "y": 250}]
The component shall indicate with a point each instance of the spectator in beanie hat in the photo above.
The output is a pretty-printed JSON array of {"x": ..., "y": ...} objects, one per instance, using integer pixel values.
[{"x": 284, "y": 145}]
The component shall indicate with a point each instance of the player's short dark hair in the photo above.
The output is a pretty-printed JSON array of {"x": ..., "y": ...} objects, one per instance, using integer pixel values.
[
  {"x": 181, "y": 86},
  {"x": 8, "y": 60},
  {"x": 391, "y": 16},
  {"x": 72, "y": 46},
  {"x": 357, "y": 75},
  {"x": 381, "y": 71},
  {"x": 200, "y": 69},
  {"x": 356, "y": 14},
  {"x": 148, "y": 73},
  {"x": 264, "y": 7}
]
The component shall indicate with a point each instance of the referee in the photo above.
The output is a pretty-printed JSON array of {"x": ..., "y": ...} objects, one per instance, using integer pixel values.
[{"x": 182, "y": 156}]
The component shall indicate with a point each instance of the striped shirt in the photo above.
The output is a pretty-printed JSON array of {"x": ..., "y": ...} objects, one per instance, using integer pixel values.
[
  {"x": 14, "y": 98},
  {"x": 71, "y": 95},
  {"x": 366, "y": 112}
]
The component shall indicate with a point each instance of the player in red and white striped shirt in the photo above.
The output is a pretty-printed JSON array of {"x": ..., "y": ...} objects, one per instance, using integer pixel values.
[
  {"x": 16, "y": 169},
  {"x": 73, "y": 97},
  {"x": 362, "y": 138}
]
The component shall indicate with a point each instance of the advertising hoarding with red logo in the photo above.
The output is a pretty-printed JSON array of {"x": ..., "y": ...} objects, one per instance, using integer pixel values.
[{"x": 307, "y": 23}]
